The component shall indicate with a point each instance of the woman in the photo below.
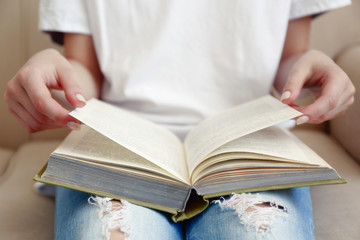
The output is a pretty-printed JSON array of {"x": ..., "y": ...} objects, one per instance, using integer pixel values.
[{"x": 175, "y": 63}]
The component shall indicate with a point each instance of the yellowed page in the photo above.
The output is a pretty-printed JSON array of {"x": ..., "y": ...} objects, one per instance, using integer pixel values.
[
  {"x": 232, "y": 124},
  {"x": 246, "y": 159},
  {"x": 240, "y": 170},
  {"x": 242, "y": 165},
  {"x": 150, "y": 141}
]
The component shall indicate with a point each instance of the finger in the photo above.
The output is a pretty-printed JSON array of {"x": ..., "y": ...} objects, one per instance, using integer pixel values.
[
  {"x": 23, "y": 99},
  {"x": 26, "y": 119},
  {"x": 29, "y": 115},
  {"x": 67, "y": 80},
  {"x": 294, "y": 84},
  {"x": 319, "y": 118},
  {"x": 42, "y": 101},
  {"x": 321, "y": 110},
  {"x": 339, "y": 111},
  {"x": 16, "y": 94},
  {"x": 331, "y": 101},
  {"x": 331, "y": 97},
  {"x": 20, "y": 120}
]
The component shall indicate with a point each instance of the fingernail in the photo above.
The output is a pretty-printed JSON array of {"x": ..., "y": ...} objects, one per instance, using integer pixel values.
[
  {"x": 285, "y": 95},
  {"x": 73, "y": 125},
  {"x": 302, "y": 119},
  {"x": 80, "y": 98}
]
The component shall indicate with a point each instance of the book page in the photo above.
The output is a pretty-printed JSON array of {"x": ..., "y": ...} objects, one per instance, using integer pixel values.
[
  {"x": 91, "y": 146},
  {"x": 313, "y": 157},
  {"x": 247, "y": 168},
  {"x": 148, "y": 140},
  {"x": 271, "y": 141},
  {"x": 232, "y": 124},
  {"x": 271, "y": 147}
]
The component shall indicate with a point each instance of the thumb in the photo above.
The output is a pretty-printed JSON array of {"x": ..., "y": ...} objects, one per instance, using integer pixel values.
[{"x": 73, "y": 92}]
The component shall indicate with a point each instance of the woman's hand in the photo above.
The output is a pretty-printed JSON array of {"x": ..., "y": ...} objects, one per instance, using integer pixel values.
[
  {"x": 31, "y": 94},
  {"x": 334, "y": 92},
  {"x": 28, "y": 93},
  {"x": 301, "y": 68}
]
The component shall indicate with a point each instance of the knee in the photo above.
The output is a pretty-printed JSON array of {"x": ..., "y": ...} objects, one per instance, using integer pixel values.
[
  {"x": 114, "y": 217},
  {"x": 254, "y": 211}
]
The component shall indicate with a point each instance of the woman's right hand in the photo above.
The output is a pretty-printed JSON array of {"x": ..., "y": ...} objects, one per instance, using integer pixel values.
[{"x": 28, "y": 93}]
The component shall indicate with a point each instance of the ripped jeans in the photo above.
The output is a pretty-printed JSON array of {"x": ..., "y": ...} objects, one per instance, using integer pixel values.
[{"x": 280, "y": 214}]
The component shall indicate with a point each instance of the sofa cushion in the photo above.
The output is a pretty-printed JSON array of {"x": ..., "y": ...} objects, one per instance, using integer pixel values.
[
  {"x": 24, "y": 214},
  {"x": 5, "y": 155},
  {"x": 335, "y": 207}
]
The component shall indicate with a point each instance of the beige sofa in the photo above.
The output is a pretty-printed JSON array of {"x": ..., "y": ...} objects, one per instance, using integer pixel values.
[{"x": 26, "y": 215}]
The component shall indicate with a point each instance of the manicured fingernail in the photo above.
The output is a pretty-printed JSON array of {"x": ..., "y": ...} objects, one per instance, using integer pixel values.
[
  {"x": 285, "y": 95},
  {"x": 302, "y": 119},
  {"x": 80, "y": 98},
  {"x": 73, "y": 125}
]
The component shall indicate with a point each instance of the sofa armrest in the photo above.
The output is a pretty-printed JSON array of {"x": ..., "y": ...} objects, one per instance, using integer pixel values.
[{"x": 346, "y": 128}]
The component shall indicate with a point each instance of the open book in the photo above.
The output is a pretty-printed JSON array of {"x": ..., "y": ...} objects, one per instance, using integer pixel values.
[{"x": 120, "y": 155}]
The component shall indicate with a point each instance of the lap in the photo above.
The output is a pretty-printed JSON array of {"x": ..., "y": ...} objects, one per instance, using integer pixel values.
[{"x": 77, "y": 219}]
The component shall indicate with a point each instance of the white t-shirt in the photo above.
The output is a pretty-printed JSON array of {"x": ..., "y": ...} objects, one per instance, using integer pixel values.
[{"x": 177, "y": 62}]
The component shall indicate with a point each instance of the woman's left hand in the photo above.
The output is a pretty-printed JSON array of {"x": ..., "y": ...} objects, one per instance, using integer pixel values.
[{"x": 334, "y": 91}]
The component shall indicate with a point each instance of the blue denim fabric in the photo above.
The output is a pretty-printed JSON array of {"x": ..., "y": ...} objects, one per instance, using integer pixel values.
[{"x": 77, "y": 219}]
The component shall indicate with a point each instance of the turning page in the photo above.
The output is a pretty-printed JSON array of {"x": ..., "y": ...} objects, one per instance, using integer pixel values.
[{"x": 150, "y": 141}]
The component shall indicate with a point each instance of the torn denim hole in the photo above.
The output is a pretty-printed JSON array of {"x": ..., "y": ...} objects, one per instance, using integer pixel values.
[
  {"x": 113, "y": 215},
  {"x": 254, "y": 211}
]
